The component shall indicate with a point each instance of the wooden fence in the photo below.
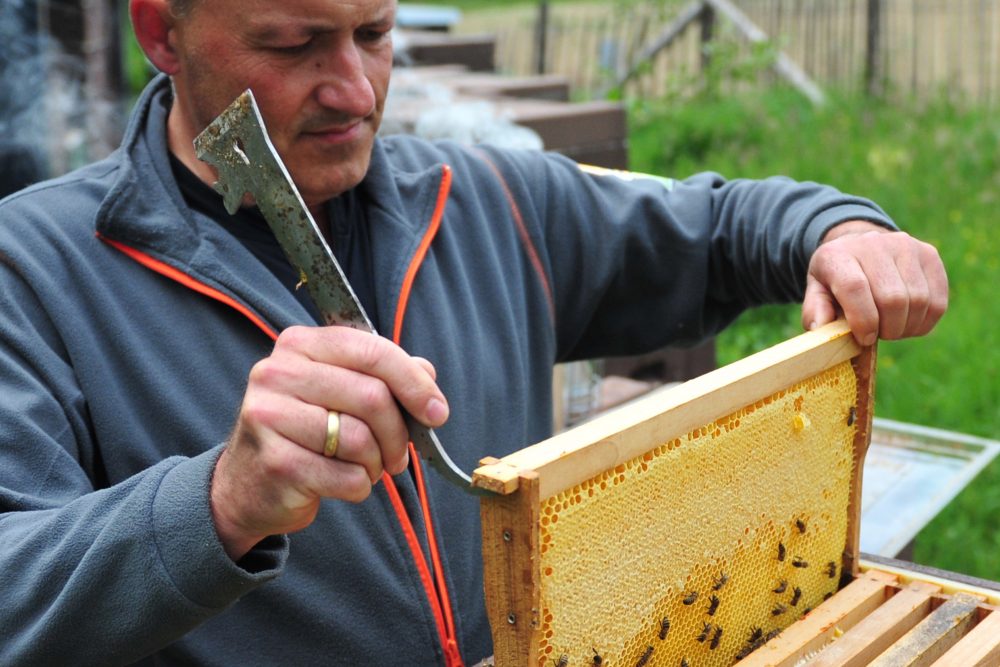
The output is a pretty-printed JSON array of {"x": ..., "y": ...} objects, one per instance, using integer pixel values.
[{"x": 897, "y": 47}]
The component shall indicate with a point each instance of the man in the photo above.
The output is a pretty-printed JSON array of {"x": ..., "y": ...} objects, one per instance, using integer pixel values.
[{"x": 138, "y": 322}]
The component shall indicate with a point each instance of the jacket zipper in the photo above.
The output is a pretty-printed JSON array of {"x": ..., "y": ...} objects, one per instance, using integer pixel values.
[
  {"x": 435, "y": 586},
  {"x": 438, "y": 597}
]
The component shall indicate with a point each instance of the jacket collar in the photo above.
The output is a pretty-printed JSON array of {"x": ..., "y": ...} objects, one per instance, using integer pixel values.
[{"x": 145, "y": 210}]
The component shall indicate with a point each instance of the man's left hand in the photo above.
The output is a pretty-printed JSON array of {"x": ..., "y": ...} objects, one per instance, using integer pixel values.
[{"x": 886, "y": 284}]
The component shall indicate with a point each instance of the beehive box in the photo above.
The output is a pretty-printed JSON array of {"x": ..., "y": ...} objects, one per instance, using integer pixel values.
[
  {"x": 685, "y": 529},
  {"x": 896, "y": 616}
]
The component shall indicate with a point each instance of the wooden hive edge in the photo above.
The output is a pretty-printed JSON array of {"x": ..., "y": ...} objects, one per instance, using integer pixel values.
[
  {"x": 511, "y": 581},
  {"x": 623, "y": 434}
]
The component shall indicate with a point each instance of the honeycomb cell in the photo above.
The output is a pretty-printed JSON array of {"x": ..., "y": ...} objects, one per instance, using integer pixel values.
[{"x": 725, "y": 535}]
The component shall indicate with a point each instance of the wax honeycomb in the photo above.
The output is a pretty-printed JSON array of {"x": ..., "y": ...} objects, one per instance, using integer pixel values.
[{"x": 707, "y": 545}]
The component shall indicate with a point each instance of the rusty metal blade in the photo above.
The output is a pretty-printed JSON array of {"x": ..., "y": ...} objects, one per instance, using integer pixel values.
[{"x": 238, "y": 146}]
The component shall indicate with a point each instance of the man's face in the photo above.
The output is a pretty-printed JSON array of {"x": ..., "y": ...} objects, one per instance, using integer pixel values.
[{"x": 319, "y": 70}]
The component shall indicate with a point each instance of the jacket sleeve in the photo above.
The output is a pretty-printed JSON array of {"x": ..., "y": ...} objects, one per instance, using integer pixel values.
[
  {"x": 136, "y": 564},
  {"x": 636, "y": 263}
]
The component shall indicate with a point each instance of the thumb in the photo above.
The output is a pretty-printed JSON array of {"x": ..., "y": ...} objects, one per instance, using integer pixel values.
[{"x": 818, "y": 305}]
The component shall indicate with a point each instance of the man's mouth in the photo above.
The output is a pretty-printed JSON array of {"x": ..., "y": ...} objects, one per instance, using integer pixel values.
[{"x": 336, "y": 134}]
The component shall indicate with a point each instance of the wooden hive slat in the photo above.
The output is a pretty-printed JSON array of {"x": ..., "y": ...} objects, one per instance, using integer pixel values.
[
  {"x": 979, "y": 648},
  {"x": 841, "y": 612},
  {"x": 934, "y": 635},
  {"x": 880, "y": 629}
]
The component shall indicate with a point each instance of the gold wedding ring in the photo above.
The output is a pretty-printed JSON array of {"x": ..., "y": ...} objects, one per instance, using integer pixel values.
[{"x": 332, "y": 433}]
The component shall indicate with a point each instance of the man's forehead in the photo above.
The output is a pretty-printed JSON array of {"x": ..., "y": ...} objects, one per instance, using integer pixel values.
[
  {"x": 315, "y": 16},
  {"x": 251, "y": 8}
]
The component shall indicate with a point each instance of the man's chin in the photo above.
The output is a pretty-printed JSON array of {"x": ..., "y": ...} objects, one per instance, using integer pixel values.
[
  {"x": 322, "y": 177},
  {"x": 318, "y": 190}
]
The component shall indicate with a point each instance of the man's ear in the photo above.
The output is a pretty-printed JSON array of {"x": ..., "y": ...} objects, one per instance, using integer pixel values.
[{"x": 153, "y": 24}]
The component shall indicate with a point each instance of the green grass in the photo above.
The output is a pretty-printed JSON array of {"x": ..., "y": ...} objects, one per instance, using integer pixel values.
[{"x": 936, "y": 169}]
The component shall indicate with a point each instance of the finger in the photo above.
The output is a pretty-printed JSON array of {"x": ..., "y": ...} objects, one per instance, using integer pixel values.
[
  {"x": 333, "y": 478},
  {"x": 427, "y": 366},
  {"x": 842, "y": 276},
  {"x": 357, "y": 445},
  {"x": 289, "y": 394},
  {"x": 267, "y": 413},
  {"x": 407, "y": 379},
  {"x": 892, "y": 299},
  {"x": 937, "y": 286},
  {"x": 818, "y": 306},
  {"x": 293, "y": 453},
  {"x": 918, "y": 292},
  {"x": 370, "y": 401},
  {"x": 279, "y": 481}
]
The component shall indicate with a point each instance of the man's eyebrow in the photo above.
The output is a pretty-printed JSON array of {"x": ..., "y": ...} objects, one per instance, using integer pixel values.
[
  {"x": 266, "y": 31},
  {"x": 269, "y": 31}
]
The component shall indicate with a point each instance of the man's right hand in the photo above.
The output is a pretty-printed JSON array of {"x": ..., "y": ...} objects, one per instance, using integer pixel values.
[{"x": 272, "y": 475}]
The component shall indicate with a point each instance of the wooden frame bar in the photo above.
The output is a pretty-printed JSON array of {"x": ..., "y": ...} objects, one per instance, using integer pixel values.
[
  {"x": 610, "y": 440},
  {"x": 512, "y": 598}
]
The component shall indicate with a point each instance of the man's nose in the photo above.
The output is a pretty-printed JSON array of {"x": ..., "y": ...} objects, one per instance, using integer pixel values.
[{"x": 344, "y": 86}]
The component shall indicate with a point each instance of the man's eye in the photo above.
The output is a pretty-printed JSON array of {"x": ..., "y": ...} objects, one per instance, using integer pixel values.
[
  {"x": 370, "y": 35},
  {"x": 292, "y": 49}
]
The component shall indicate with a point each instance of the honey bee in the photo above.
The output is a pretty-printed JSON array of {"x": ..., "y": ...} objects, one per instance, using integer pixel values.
[
  {"x": 715, "y": 638},
  {"x": 801, "y": 525},
  {"x": 685, "y": 663},
  {"x": 691, "y": 597},
  {"x": 756, "y": 634},
  {"x": 563, "y": 661},
  {"x": 644, "y": 658},
  {"x": 720, "y": 582},
  {"x": 852, "y": 416},
  {"x": 781, "y": 552},
  {"x": 771, "y": 635},
  {"x": 713, "y": 604},
  {"x": 598, "y": 660},
  {"x": 779, "y": 609},
  {"x": 796, "y": 595},
  {"x": 831, "y": 569},
  {"x": 705, "y": 631},
  {"x": 781, "y": 587},
  {"x": 798, "y": 562},
  {"x": 664, "y": 627}
]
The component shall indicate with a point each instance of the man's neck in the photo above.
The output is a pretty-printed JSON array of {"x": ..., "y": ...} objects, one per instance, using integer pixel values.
[{"x": 180, "y": 140}]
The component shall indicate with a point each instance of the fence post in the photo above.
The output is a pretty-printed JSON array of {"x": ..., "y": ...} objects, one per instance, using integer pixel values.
[
  {"x": 873, "y": 83},
  {"x": 707, "y": 21},
  {"x": 541, "y": 35}
]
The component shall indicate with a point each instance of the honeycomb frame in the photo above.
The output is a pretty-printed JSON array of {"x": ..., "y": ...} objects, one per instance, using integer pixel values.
[{"x": 527, "y": 599}]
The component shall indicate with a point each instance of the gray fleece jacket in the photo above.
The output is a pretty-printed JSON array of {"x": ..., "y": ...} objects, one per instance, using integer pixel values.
[{"x": 129, "y": 323}]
